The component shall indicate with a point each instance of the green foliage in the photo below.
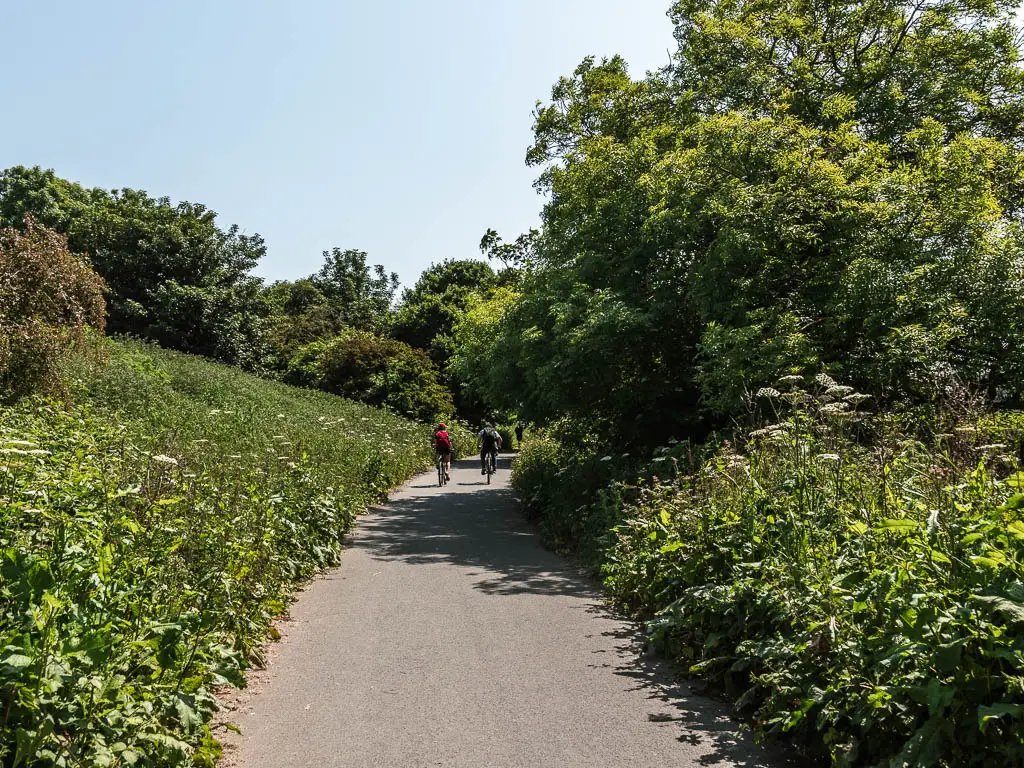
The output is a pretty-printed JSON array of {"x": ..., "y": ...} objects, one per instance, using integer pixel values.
[
  {"x": 481, "y": 363},
  {"x": 361, "y": 297},
  {"x": 49, "y": 299},
  {"x": 174, "y": 276},
  {"x": 800, "y": 188},
  {"x": 430, "y": 310},
  {"x": 861, "y": 595},
  {"x": 149, "y": 535},
  {"x": 886, "y": 65},
  {"x": 376, "y": 370}
]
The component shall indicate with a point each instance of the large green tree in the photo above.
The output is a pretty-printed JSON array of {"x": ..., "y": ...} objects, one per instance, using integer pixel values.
[
  {"x": 360, "y": 295},
  {"x": 810, "y": 185},
  {"x": 432, "y": 307},
  {"x": 174, "y": 276}
]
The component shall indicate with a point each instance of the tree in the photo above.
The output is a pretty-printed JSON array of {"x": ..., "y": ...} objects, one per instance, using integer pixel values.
[
  {"x": 810, "y": 186},
  {"x": 360, "y": 297},
  {"x": 49, "y": 299},
  {"x": 431, "y": 308},
  {"x": 173, "y": 275},
  {"x": 375, "y": 370}
]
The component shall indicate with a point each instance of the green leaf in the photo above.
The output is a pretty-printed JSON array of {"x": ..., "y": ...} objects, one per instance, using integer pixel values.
[
  {"x": 1008, "y": 608},
  {"x": 672, "y": 546},
  {"x": 939, "y": 557},
  {"x": 996, "y": 712},
  {"x": 898, "y": 525},
  {"x": 16, "y": 660}
]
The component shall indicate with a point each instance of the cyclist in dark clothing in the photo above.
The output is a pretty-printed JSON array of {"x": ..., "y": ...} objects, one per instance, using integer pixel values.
[{"x": 490, "y": 443}]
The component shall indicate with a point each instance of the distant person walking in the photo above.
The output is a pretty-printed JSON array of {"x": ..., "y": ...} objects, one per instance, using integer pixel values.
[{"x": 519, "y": 435}]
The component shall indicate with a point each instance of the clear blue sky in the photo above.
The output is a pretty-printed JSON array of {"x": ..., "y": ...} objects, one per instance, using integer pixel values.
[{"x": 398, "y": 128}]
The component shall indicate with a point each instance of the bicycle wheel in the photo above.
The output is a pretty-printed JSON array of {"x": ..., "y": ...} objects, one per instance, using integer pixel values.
[{"x": 440, "y": 472}]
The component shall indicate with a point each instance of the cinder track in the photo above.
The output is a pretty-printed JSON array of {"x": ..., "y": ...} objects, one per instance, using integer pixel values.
[{"x": 450, "y": 637}]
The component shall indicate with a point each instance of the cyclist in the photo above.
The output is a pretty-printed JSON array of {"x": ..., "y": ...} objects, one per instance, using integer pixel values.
[
  {"x": 489, "y": 443},
  {"x": 443, "y": 449}
]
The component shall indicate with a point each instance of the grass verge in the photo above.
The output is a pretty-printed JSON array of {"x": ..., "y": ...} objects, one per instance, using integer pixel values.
[
  {"x": 150, "y": 532},
  {"x": 857, "y": 588}
]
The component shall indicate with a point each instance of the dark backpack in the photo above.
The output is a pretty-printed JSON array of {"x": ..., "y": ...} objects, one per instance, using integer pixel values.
[{"x": 490, "y": 439}]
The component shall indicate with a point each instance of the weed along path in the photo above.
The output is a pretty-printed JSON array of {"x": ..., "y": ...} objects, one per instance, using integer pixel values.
[{"x": 450, "y": 637}]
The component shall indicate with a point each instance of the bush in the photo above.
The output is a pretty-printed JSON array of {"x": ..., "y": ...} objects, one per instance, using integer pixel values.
[
  {"x": 565, "y": 486},
  {"x": 49, "y": 299},
  {"x": 804, "y": 565},
  {"x": 375, "y": 370}
]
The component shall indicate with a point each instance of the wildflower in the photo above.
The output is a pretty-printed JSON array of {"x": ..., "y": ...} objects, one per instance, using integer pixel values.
[
  {"x": 767, "y": 392},
  {"x": 165, "y": 459},
  {"x": 25, "y": 443},
  {"x": 791, "y": 379},
  {"x": 825, "y": 380},
  {"x": 993, "y": 448},
  {"x": 856, "y": 398},
  {"x": 839, "y": 390},
  {"x": 829, "y": 457},
  {"x": 834, "y": 408},
  {"x": 606, "y": 458}
]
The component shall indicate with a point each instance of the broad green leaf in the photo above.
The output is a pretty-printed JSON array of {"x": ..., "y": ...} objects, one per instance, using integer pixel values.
[
  {"x": 899, "y": 525},
  {"x": 997, "y": 711},
  {"x": 1008, "y": 608}
]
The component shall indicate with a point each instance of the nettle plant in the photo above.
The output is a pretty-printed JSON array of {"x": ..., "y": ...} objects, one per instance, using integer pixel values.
[{"x": 852, "y": 587}]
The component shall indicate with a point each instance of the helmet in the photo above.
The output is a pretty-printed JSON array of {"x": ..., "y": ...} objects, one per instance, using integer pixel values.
[{"x": 441, "y": 426}]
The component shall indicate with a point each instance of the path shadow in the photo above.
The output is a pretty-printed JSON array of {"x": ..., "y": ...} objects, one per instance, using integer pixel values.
[
  {"x": 481, "y": 528},
  {"x": 680, "y": 703}
]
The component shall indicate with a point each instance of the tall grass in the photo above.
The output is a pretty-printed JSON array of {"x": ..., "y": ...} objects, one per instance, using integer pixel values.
[
  {"x": 149, "y": 533},
  {"x": 853, "y": 586}
]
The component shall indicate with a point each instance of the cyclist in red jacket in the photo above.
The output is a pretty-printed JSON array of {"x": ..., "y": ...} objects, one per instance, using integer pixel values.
[{"x": 443, "y": 448}]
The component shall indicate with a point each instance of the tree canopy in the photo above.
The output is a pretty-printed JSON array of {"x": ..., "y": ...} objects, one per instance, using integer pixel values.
[{"x": 810, "y": 186}]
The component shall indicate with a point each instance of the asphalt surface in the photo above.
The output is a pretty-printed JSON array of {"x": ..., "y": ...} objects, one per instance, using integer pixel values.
[{"x": 450, "y": 637}]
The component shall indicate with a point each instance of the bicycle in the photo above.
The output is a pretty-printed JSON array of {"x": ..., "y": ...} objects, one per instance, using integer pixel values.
[
  {"x": 442, "y": 476},
  {"x": 491, "y": 465}
]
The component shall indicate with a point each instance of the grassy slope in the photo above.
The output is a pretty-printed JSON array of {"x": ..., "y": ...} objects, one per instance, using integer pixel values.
[{"x": 150, "y": 531}]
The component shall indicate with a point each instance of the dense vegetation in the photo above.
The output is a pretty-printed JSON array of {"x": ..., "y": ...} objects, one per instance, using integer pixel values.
[
  {"x": 811, "y": 192},
  {"x": 769, "y": 337},
  {"x": 154, "y": 517},
  {"x": 150, "y": 531}
]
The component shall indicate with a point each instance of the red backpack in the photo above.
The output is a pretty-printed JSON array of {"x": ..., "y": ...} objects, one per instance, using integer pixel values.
[{"x": 442, "y": 443}]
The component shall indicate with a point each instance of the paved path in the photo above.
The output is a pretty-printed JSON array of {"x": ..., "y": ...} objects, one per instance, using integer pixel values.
[{"x": 450, "y": 637}]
